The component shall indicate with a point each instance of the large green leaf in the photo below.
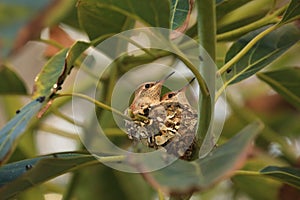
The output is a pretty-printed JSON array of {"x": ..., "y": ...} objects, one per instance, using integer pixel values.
[
  {"x": 10, "y": 82},
  {"x": 53, "y": 74},
  {"x": 286, "y": 82},
  {"x": 179, "y": 12},
  {"x": 107, "y": 17},
  {"x": 292, "y": 12},
  {"x": 16, "y": 126},
  {"x": 19, "y": 176},
  {"x": 287, "y": 175},
  {"x": 181, "y": 176},
  {"x": 261, "y": 54}
]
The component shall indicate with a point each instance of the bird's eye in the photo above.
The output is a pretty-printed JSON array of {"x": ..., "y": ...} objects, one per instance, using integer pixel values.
[
  {"x": 148, "y": 85},
  {"x": 170, "y": 95}
]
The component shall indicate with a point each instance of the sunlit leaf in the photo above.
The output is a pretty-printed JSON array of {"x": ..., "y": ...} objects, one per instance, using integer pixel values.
[
  {"x": 287, "y": 175},
  {"x": 105, "y": 17},
  {"x": 261, "y": 54},
  {"x": 292, "y": 12},
  {"x": 16, "y": 126},
  {"x": 286, "y": 82},
  {"x": 19, "y": 176},
  {"x": 54, "y": 73},
  {"x": 10, "y": 82},
  {"x": 181, "y": 176}
]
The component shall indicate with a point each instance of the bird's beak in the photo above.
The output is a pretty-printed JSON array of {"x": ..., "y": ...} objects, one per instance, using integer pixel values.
[
  {"x": 164, "y": 79},
  {"x": 186, "y": 86}
]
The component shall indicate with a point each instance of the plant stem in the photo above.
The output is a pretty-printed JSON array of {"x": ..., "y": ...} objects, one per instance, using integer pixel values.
[
  {"x": 98, "y": 103},
  {"x": 51, "y": 129},
  {"x": 52, "y": 43},
  {"x": 206, "y": 19},
  {"x": 206, "y": 22},
  {"x": 160, "y": 195},
  {"x": 114, "y": 132},
  {"x": 248, "y": 173},
  {"x": 238, "y": 56},
  {"x": 205, "y": 103},
  {"x": 59, "y": 114},
  {"x": 268, "y": 19},
  {"x": 181, "y": 197}
]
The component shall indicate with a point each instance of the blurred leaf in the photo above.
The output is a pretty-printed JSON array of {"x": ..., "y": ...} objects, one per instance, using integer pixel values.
[
  {"x": 219, "y": 1},
  {"x": 180, "y": 11},
  {"x": 225, "y": 7},
  {"x": 258, "y": 188},
  {"x": 13, "y": 16},
  {"x": 56, "y": 70},
  {"x": 71, "y": 19},
  {"x": 292, "y": 12},
  {"x": 10, "y": 82},
  {"x": 287, "y": 175},
  {"x": 242, "y": 15},
  {"x": 286, "y": 82},
  {"x": 58, "y": 35},
  {"x": 261, "y": 54},
  {"x": 19, "y": 176},
  {"x": 109, "y": 184},
  {"x": 106, "y": 17},
  {"x": 182, "y": 177},
  {"x": 16, "y": 126},
  {"x": 24, "y": 20}
]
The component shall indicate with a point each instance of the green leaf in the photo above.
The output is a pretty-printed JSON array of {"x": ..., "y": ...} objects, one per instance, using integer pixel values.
[
  {"x": 180, "y": 10},
  {"x": 45, "y": 80},
  {"x": 182, "y": 177},
  {"x": 292, "y": 13},
  {"x": 16, "y": 126},
  {"x": 225, "y": 7},
  {"x": 258, "y": 187},
  {"x": 19, "y": 176},
  {"x": 286, "y": 82},
  {"x": 287, "y": 175},
  {"x": 55, "y": 71},
  {"x": 10, "y": 82},
  {"x": 241, "y": 13},
  {"x": 111, "y": 184},
  {"x": 107, "y": 17},
  {"x": 261, "y": 54}
]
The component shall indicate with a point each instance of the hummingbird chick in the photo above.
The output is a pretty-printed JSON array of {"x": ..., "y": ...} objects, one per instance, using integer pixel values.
[
  {"x": 145, "y": 95},
  {"x": 178, "y": 130}
]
